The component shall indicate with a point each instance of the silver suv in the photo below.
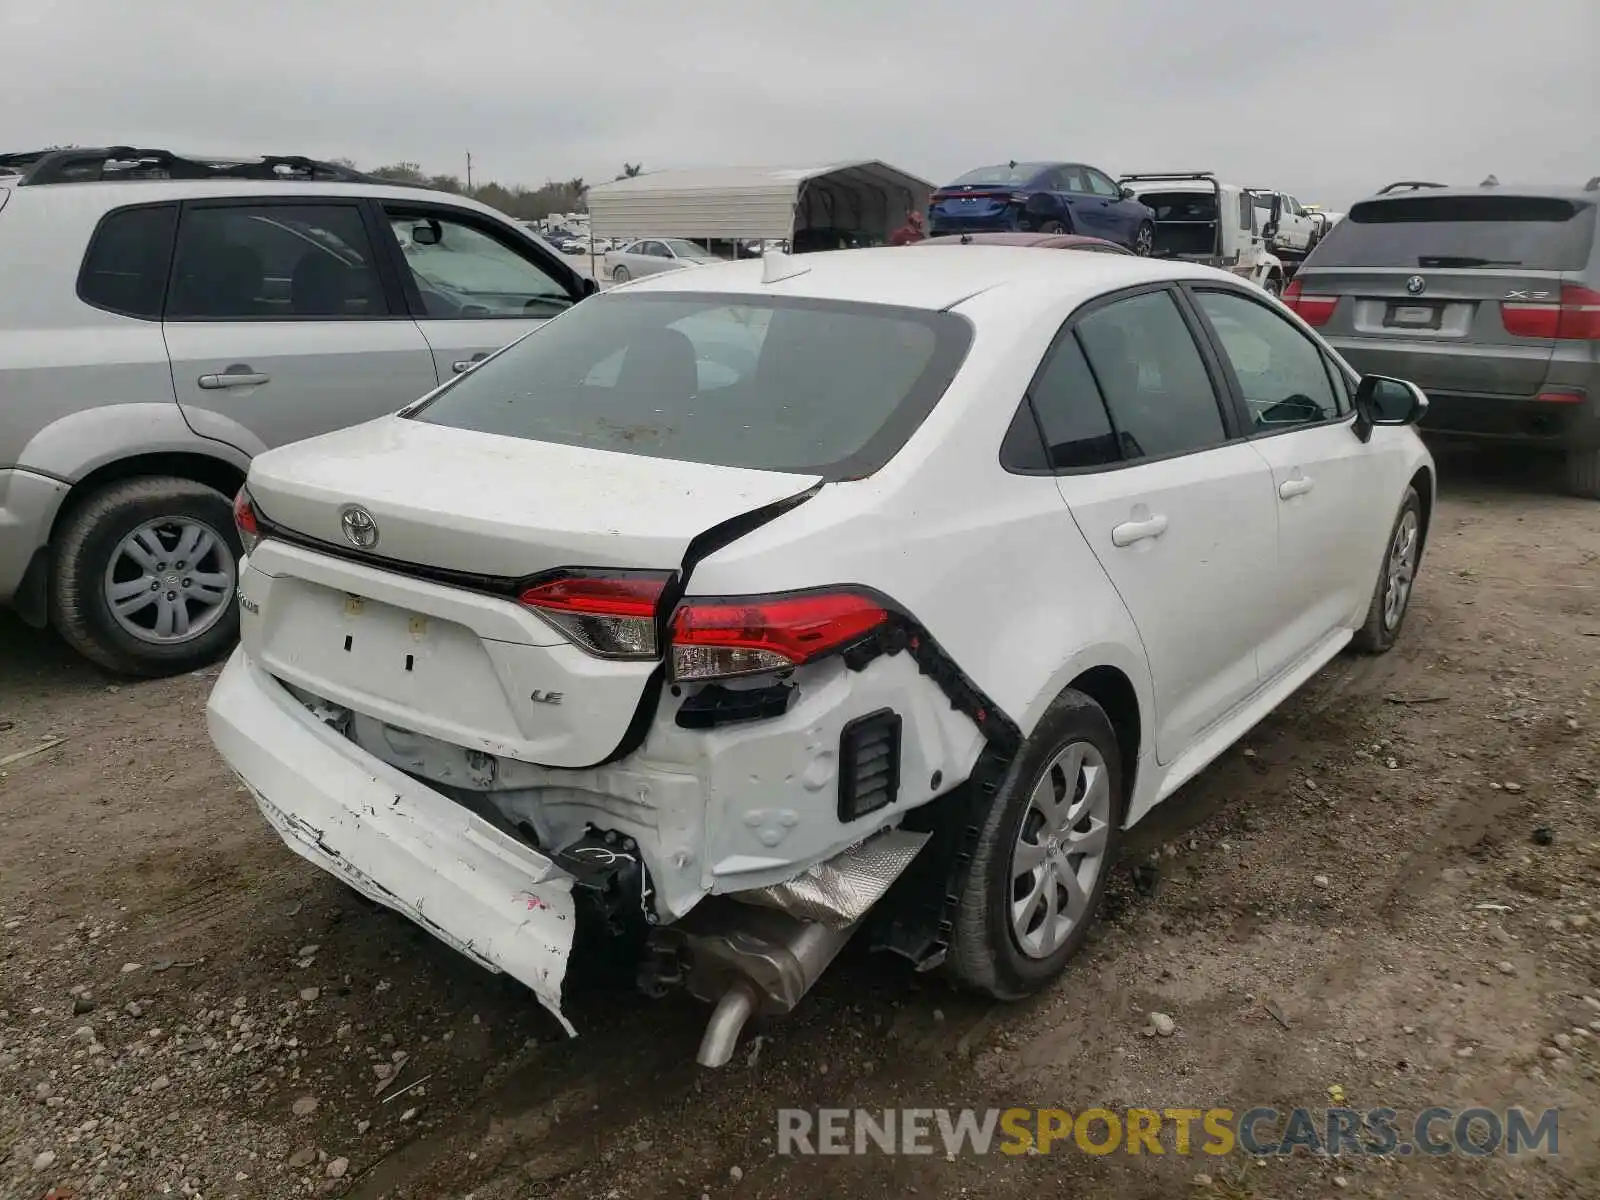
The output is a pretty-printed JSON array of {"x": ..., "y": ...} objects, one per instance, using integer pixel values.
[
  {"x": 1488, "y": 297},
  {"x": 167, "y": 318}
]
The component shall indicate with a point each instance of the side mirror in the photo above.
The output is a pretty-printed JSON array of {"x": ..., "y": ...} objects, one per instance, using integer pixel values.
[
  {"x": 1127, "y": 192},
  {"x": 1385, "y": 401},
  {"x": 590, "y": 287},
  {"x": 427, "y": 233},
  {"x": 1270, "y": 230}
]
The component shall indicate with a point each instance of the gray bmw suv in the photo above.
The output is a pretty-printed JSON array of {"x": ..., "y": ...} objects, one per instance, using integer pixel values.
[{"x": 1487, "y": 297}]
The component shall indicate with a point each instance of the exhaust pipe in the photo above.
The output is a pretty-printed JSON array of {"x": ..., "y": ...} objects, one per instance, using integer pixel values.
[
  {"x": 759, "y": 952},
  {"x": 748, "y": 962}
]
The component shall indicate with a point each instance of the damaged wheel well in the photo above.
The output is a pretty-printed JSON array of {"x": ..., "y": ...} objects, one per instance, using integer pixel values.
[{"x": 1113, "y": 691}]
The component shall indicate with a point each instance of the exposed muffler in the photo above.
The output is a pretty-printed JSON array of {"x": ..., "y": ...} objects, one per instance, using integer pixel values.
[{"x": 760, "y": 952}]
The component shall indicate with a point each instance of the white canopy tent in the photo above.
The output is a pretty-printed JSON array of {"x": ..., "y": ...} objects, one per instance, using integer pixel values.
[{"x": 775, "y": 203}]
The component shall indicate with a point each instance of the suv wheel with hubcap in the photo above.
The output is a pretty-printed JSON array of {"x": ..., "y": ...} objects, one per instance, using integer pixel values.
[{"x": 144, "y": 577}]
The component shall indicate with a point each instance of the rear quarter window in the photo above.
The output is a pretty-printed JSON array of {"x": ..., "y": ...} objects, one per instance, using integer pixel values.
[
  {"x": 125, "y": 267},
  {"x": 1536, "y": 233}
]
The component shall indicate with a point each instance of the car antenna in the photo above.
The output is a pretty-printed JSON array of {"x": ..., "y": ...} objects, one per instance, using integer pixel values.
[
  {"x": 1490, "y": 182},
  {"x": 1593, "y": 185},
  {"x": 966, "y": 239}
]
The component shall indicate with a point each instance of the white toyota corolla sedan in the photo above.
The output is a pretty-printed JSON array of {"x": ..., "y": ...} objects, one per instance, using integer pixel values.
[{"x": 753, "y": 607}]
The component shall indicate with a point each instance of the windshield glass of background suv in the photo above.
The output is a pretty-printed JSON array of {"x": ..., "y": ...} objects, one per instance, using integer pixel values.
[
  {"x": 808, "y": 386},
  {"x": 1533, "y": 232}
]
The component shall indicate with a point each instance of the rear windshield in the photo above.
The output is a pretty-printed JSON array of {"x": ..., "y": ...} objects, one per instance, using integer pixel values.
[
  {"x": 1541, "y": 234},
  {"x": 1008, "y": 173},
  {"x": 810, "y": 386}
]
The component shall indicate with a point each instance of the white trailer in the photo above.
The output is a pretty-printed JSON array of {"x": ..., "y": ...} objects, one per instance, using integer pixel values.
[{"x": 811, "y": 208}]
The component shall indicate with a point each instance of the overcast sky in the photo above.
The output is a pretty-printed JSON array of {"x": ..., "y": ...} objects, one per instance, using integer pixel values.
[{"x": 1326, "y": 99}]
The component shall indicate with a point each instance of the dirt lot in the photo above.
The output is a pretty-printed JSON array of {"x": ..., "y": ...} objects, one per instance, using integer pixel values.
[{"x": 1401, "y": 864}]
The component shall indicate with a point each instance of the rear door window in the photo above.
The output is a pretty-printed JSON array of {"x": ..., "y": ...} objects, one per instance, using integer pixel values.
[
  {"x": 1154, "y": 381},
  {"x": 252, "y": 261},
  {"x": 125, "y": 268},
  {"x": 1532, "y": 232},
  {"x": 781, "y": 384},
  {"x": 1072, "y": 416}
]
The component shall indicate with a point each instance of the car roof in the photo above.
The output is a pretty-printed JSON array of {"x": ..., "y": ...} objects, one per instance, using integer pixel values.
[
  {"x": 1520, "y": 191},
  {"x": 1046, "y": 241},
  {"x": 113, "y": 193},
  {"x": 935, "y": 279}
]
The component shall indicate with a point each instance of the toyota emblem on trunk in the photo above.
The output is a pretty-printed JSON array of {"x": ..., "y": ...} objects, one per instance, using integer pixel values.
[
  {"x": 1416, "y": 285},
  {"x": 360, "y": 530}
]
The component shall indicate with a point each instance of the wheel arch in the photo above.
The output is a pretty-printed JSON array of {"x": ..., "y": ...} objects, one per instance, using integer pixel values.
[
  {"x": 212, "y": 471},
  {"x": 1426, "y": 486},
  {"x": 1113, "y": 691}
]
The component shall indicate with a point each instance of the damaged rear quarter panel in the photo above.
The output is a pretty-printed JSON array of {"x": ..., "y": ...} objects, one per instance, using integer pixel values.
[{"x": 989, "y": 562}]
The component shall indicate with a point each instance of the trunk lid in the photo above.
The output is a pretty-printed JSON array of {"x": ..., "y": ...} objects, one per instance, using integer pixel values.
[
  {"x": 423, "y": 630},
  {"x": 980, "y": 200}
]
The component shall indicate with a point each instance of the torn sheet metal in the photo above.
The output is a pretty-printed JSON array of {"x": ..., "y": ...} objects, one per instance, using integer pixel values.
[{"x": 841, "y": 890}]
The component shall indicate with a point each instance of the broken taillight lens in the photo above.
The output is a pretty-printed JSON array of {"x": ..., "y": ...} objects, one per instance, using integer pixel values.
[
  {"x": 718, "y": 638},
  {"x": 244, "y": 518},
  {"x": 612, "y": 614}
]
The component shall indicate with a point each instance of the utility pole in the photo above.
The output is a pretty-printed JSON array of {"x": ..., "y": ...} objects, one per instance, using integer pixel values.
[{"x": 469, "y": 170}]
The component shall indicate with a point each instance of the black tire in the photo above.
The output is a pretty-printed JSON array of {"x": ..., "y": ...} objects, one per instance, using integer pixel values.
[
  {"x": 621, "y": 275},
  {"x": 83, "y": 548},
  {"x": 984, "y": 954},
  {"x": 1274, "y": 284},
  {"x": 1583, "y": 473},
  {"x": 1145, "y": 237},
  {"x": 1052, "y": 227},
  {"x": 1378, "y": 634}
]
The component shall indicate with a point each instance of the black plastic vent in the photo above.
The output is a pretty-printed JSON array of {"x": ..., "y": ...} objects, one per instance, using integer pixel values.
[{"x": 869, "y": 764}]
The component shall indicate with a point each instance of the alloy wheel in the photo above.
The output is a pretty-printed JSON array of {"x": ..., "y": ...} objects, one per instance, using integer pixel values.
[
  {"x": 1401, "y": 570},
  {"x": 1060, "y": 849},
  {"x": 170, "y": 580}
]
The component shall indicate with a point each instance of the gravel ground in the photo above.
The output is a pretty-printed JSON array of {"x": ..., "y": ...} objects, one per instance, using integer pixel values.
[{"x": 1390, "y": 888}]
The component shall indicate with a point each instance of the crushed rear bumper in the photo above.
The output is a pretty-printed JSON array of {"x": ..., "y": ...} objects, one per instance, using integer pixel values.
[{"x": 483, "y": 893}]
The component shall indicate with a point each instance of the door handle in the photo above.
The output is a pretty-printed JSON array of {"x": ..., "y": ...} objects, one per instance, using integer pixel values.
[
  {"x": 1298, "y": 486},
  {"x": 237, "y": 375},
  {"x": 1130, "y": 532},
  {"x": 462, "y": 365}
]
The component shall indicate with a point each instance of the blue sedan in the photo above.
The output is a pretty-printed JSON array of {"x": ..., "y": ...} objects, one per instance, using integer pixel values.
[{"x": 1041, "y": 197}]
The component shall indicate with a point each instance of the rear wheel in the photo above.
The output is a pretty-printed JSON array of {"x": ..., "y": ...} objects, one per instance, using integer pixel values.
[
  {"x": 1583, "y": 473},
  {"x": 1052, "y": 227},
  {"x": 1391, "y": 596},
  {"x": 144, "y": 577},
  {"x": 1034, "y": 882},
  {"x": 620, "y": 275},
  {"x": 1144, "y": 241},
  {"x": 1274, "y": 284}
]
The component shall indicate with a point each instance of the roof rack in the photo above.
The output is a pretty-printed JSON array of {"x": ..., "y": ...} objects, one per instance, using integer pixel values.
[
  {"x": 1408, "y": 185},
  {"x": 116, "y": 163}
]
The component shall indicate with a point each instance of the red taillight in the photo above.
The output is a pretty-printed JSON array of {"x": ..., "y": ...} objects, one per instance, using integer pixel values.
[
  {"x": 1576, "y": 317},
  {"x": 611, "y": 614},
  {"x": 1313, "y": 310},
  {"x": 244, "y": 517},
  {"x": 714, "y": 639}
]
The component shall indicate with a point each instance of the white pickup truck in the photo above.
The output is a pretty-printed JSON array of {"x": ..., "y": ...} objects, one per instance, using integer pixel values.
[
  {"x": 1298, "y": 227},
  {"x": 1200, "y": 219}
]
